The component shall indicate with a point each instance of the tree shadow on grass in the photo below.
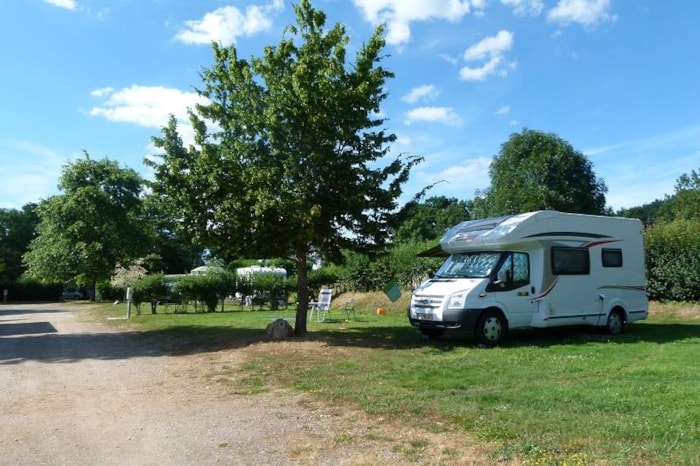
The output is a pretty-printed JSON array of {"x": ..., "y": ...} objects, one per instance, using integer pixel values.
[
  {"x": 39, "y": 341},
  {"x": 14, "y": 311}
]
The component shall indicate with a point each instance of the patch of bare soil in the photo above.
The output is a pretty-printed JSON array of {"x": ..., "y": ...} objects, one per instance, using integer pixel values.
[{"x": 80, "y": 393}]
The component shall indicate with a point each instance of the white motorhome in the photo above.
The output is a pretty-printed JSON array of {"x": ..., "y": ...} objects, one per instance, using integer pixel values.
[{"x": 537, "y": 269}]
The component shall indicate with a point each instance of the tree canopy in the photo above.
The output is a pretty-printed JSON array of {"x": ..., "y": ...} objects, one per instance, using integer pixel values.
[
  {"x": 286, "y": 160},
  {"x": 428, "y": 220},
  {"x": 684, "y": 204},
  {"x": 647, "y": 213},
  {"x": 92, "y": 226},
  {"x": 16, "y": 232},
  {"x": 536, "y": 170}
]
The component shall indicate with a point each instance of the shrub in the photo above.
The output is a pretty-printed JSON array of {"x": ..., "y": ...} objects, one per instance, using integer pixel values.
[
  {"x": 105, "y": 291},
  {"x": 325, "y": 276},
  {"x": 150, "y": 288},
  {"x": 364, "y": 274},
  {"x": 265, "y": 287},
  {"x": 209, "y": 289},
  {"x": 673, "y": 260}
]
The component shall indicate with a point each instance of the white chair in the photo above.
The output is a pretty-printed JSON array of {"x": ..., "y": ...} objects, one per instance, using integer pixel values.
[
  {"x": 322, "y": 307},
  {"x": 349, "y": 308}
]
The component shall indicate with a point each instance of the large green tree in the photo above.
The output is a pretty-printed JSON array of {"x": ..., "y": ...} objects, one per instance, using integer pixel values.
[
  {"x": 536, "y": 170},
  {"x": 684, "y": 204},
  {"x": 428, "y": 220},
  {"x": 17, "y": 228},
  {"x": 93, "y": 225},
  {"x": 288, "y": 149},
  {"x": 647, "y": 213}
]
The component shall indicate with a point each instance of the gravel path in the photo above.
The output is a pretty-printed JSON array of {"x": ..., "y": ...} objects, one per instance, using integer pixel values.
[{"x": 79, "y": 393}]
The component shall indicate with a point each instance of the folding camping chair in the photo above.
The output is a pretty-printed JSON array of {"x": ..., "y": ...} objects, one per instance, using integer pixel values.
[
  {"x": 349, "y": 308},
  {"x": 322, "y": 307}
]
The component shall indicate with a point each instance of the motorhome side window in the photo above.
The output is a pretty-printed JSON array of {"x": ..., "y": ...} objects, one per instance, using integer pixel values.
[
  {"x": 570, "y": 261},
  {"x": 514, "y": 272},
  {"x": 611, "y": 257}
]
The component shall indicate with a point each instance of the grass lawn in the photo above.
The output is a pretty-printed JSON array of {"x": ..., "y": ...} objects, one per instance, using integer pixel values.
[{"x": 558, "y": 397}]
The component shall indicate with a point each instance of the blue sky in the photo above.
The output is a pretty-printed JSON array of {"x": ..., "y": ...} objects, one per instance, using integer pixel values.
[{"x": 618, "y": 79}]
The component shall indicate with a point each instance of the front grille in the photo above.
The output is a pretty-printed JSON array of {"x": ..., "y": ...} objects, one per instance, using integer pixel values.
[{"x": 423, "y": 303}]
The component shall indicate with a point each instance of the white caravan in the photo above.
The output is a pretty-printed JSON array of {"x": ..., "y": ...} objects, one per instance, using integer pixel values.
[
  {"x": 248, "y": 272},
  {"x": 537, "y": 269}
]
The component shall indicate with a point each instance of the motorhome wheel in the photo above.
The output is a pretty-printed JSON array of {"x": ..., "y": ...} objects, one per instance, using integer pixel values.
[
  {"x": 616, "y": 323},
  {"x": 491, "y": 328}
]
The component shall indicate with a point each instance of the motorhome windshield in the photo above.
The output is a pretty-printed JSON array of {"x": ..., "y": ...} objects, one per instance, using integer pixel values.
[{"x": 468, "y": 265}]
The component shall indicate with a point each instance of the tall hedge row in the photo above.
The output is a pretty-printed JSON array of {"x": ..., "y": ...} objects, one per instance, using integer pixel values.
[
  {"x": 30, "y": 291},
  {"x": 673, "y": 260}
]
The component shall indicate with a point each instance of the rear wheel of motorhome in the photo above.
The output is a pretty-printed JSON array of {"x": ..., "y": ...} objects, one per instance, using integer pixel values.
[
  {"x": 491, "y": 328},
  {"x": 616, "y": 322}
]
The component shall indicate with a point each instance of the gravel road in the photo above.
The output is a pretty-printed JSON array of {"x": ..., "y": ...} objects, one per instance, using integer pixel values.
[{"x": 79, "y": 393}]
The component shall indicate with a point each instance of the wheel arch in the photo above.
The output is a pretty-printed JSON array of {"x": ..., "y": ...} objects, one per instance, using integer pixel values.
[
  {"x": 493, "y": 308},
  {"x": 616, "y": 320},
  {"x": 619, "y": 308}
]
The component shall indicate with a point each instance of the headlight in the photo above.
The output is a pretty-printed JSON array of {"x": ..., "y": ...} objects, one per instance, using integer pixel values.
[{"x": 457, "y": 300}]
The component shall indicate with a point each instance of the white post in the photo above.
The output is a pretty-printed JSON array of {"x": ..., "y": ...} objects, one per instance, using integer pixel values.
[{"x": 129, "y": 295}]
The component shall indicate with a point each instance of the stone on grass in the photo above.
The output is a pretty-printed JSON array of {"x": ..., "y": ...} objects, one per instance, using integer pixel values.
[{"x": 279, "y": 329}]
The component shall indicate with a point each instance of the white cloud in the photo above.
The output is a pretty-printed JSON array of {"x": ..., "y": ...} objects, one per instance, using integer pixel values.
[
  {"x": 149, "y": 107},
  {"x": 399, "y": 14},
  {"x": 67, "y": 4},
  {"x": 449, "y": 59},
  {"x": 425, "y": 92},
  {"x": 586, "y": 12},
  {"x": 503, "y": 110},
  {"x": 105, "y": 91},
  {"x": 143, "y": 105},
  {"x": 476, "y": 168},
  {"x": 403, "y": 140},
  {"x": 227, "y": 23},
  {"x": 445, "y": 115},
  {"x": 459, "y": 180},
  {"x": 492, "y": 48},
  {"x": 480, "y": 73},
  {"x": 525, "y": 7}
]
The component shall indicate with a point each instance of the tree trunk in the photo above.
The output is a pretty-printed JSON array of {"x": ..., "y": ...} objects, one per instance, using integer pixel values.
[
  {"x": 93, "y": 288},
  {"x": 302, "y": 292}
]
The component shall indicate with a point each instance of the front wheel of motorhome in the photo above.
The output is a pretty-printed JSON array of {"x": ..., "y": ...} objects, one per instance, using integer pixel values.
[
  {"x": 491, "y": 328},
  {"x": 616, "y": 322}
]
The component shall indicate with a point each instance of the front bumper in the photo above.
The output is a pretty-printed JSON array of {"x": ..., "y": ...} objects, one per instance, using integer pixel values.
[{"x": 454, "y": 319}]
